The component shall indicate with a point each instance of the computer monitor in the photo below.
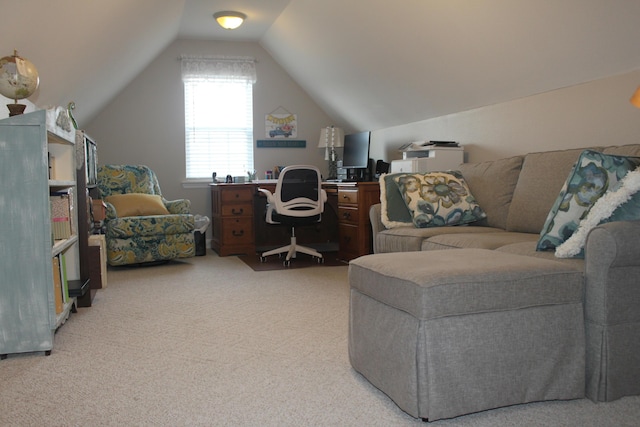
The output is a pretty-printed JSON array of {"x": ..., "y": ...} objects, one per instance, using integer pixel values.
[{"x": 355, "y": 155}]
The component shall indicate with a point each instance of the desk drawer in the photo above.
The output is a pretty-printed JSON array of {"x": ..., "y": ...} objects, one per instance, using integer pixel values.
[
  {"x": 348, "y": 249},
  {"x": 240, "y": 194},
  {"x": 237, "y": 231},
  {"x": 348, "y": 196},
  {"x": 237, "y": 209},
  {"x": 347, "y": 215}
]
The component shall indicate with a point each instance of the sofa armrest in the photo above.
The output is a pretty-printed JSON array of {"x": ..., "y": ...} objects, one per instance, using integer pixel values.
[
  {"x": 612, "y": 310},
  {"x": 180, "y": 206},
  {"x": 375, "y": 217}
]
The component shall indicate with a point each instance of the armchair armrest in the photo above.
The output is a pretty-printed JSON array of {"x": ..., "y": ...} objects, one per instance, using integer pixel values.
[
  {"x": 110, "y": 211},
  {"x": 179, "y": 206},
  {"x": 612, "y": 310},
  {"x": 375, "y": 217}
]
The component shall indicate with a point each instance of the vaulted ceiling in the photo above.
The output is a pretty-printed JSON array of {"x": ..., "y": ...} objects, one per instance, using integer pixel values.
[{"x": 370, "y": 64}]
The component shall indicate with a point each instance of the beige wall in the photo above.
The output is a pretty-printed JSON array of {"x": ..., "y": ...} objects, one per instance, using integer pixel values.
[
  {"x": 144, "y": 124},
  {"x": 594, "y": 113}
]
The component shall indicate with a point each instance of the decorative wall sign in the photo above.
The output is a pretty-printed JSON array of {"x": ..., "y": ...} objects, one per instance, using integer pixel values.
[
  {"x": 280, "y": 123},
  {"x": 281, "y": 143}
]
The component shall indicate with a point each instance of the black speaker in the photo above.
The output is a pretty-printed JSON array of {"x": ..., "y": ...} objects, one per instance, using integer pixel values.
[
  {"x": 370, "y": 172},
  {"x": 382, "y": 167}
]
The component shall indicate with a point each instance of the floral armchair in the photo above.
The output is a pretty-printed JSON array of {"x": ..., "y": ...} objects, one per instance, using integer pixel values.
[{"x": 141, "y": 225}]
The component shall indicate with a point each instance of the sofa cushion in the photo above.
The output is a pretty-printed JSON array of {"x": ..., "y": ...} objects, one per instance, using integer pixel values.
[
  {"x": 144, "y": 226},
  {"x": 407, "y": 239},
  {"x": 436, "y": 199},
  {"x": 463, "y": 281},
  {"x": 539, "y": 183},
  {"x": 590, "y": 178},
  {"x": 492, "y": 184},
  {"x": 476, "y": 240},
  {"x": 137, "y": 204},
  {"x": 620, "y": 203},
  {"x": 623, "y": 150},
  {"x": 394, "y": 211},
  {"x": 529, "y": 249}
]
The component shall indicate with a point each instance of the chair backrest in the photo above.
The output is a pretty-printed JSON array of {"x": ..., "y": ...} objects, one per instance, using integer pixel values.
[
  {"x": 299, "y": 192},
  {"x": 122, "y": 179}
]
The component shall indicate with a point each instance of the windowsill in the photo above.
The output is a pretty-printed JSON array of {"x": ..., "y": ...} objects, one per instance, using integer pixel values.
[{"x": 196, "y": 183}]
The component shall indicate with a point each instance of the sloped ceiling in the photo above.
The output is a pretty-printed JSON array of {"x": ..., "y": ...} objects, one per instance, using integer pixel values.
[
  {"x": 379, "y": 64},
  {"x": 87, "y": 51},
  {"x": 370, "y": 64}
]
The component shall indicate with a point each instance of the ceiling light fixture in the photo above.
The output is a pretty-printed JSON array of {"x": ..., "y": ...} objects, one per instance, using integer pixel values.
[{"x": 230, "y": 20}]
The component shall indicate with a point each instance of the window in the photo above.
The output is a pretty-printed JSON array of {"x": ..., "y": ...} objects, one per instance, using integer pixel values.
[{"x": 218, "y": 96}]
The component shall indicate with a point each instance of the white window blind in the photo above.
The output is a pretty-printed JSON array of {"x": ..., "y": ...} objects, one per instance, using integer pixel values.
[{"x": 218, "y": 95}]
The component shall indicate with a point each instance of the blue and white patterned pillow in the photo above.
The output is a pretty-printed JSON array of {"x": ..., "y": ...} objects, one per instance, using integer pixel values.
[
  {"x": 592, "y": 175},
  {"x": 620, "y": 203}
]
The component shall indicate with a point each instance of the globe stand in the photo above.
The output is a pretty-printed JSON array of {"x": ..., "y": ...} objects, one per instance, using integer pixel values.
[{"x": 16, "y": 109}]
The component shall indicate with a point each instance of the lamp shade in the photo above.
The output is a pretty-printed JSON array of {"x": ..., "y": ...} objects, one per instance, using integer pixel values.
[
  {"x": 635, "y": 99},
  {"x": 229, "y": 20},
  {"x": 331, "y": 137}
]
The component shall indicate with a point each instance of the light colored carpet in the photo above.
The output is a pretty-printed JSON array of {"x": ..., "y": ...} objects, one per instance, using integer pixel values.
[{"x": 209, "y": 342}]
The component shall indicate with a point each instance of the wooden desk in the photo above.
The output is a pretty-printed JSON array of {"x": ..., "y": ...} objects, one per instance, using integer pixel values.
[{"x": 239, "y": 227}]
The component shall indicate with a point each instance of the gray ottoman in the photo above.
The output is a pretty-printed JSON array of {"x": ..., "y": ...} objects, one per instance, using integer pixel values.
[{"x": 447, "y": 333}]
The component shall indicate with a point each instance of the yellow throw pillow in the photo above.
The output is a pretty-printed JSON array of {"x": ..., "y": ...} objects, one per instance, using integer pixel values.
[{"x": 137, "y": 204}]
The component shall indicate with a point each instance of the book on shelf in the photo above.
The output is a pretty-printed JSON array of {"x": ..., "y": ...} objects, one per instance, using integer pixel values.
[
  {"x": 61, "y": 215},
  {"x": 65, "y": 281},
  {"x": 57, "y": 284}
]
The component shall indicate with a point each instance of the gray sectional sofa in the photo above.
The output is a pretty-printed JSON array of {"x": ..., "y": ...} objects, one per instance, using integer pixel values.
[{"x": 458, "y": 319}]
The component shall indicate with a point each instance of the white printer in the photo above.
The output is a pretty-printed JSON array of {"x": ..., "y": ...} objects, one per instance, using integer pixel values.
[{"x": 427, "y": 158}]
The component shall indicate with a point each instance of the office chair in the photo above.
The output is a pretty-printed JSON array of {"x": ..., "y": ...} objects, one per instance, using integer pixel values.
[{"x": 298, "y": 200}]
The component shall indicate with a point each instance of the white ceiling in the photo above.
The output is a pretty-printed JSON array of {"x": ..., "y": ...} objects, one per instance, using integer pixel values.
[{"x": 370, "y": 64}]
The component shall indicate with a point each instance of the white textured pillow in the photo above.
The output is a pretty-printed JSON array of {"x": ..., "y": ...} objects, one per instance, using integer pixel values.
[{"x": 602, "y": 209}]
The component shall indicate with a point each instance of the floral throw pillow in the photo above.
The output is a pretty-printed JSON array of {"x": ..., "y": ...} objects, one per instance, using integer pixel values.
[
  {"x": 592, "y": 175},
  {"x": 438, "y": 198},
  {"x": 620, "y": 203}
]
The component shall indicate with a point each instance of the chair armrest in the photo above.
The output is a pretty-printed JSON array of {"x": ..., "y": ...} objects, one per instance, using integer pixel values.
[
  {"x": 375, "y": 217},
  {"x": 110, "y": 211},
  {"x": 179, "y": 206},
  {"x": 612, "y": 268},
  {"x": 612, "y": 310},
  {"x": 268, "y": 194}
]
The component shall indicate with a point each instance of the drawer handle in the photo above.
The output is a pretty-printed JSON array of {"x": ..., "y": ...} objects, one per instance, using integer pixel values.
[
  {"x": 234, "y": 212},
  {"x": 345, "y": 196},
  {"x": 346, "y": 215},
  {"x": 237, "y": 233}
]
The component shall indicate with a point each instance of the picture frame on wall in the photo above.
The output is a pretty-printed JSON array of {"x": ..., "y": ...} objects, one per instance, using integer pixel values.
[{"x": 281, "y": 124}]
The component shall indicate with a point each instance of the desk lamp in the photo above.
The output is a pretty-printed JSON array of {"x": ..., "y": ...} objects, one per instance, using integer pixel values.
[{"x": 330, "y": 138}]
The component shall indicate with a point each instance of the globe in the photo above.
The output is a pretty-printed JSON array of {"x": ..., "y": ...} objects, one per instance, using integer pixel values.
[{"x": 18, "y": 77}]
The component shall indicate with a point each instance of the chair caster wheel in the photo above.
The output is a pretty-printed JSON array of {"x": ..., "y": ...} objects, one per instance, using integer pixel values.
[
  {"x": 286, "y": 263},
  {"x": 320, "y": 260},
  {"x": 263, "y": 259}
]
